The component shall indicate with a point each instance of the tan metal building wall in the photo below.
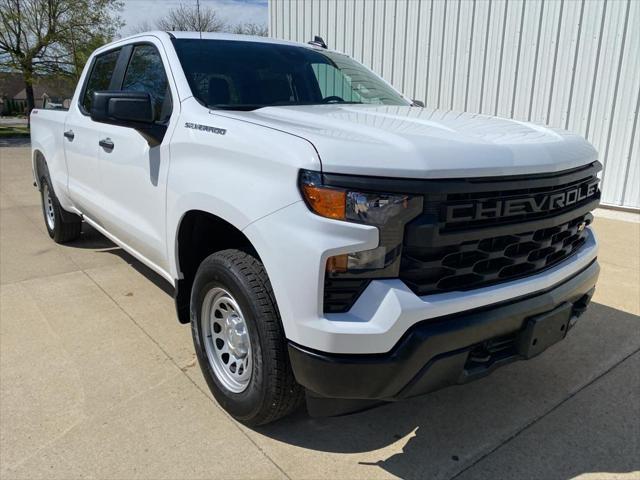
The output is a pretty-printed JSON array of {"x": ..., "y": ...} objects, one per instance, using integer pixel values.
[{"x": 573, "y": 64}]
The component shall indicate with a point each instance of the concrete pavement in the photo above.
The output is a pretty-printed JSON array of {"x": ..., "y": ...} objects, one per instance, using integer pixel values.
[{"x": 98, "y": 380}]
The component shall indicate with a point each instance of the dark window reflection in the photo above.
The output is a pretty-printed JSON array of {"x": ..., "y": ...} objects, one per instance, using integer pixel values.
[
  {"x": 100, "y": 76},
  {"x": 145, "y": 73}
]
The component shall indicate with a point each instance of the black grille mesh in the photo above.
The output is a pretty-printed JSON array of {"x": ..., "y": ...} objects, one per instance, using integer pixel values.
[{"x": 479, "y": 263}]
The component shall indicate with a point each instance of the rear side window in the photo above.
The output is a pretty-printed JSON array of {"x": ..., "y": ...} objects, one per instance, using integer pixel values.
[
  {"x": 100, "y": 76},
  {"x": 145, "y": 73}
]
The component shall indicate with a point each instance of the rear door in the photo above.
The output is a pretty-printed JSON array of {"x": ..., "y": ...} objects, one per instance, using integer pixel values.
[
  {"x": 133, "y": 167},
  {"x": 81, "y": 136}
]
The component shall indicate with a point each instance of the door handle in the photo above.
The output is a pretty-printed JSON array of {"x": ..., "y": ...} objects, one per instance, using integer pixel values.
[
  {"x": 69, "y": 135},
  {"x": 106, "y": 143}
]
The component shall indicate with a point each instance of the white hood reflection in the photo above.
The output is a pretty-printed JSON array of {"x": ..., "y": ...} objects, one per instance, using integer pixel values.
[{"x": 399, "y": 141}]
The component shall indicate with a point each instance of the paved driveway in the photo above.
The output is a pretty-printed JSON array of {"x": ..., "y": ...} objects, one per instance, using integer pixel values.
[{"x": 98, "y": 380}]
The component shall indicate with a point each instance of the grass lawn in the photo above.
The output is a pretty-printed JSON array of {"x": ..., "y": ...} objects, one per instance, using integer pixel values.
[{"x": 12, "y": 131}]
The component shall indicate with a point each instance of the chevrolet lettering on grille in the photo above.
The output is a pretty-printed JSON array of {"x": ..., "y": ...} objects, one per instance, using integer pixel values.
[{"x": 500, "y": 208}]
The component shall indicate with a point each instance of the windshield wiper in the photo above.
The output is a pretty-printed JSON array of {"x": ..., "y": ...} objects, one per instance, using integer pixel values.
[
  {"x": 254, "y": 106},
  {"x": 242, "y": 107}
]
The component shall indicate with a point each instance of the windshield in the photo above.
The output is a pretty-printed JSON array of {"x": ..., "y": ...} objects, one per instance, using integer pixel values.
[{"x": 244, "y": 75}]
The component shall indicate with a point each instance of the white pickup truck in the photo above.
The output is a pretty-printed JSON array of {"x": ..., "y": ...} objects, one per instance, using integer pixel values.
[{"x": 326, "y": 237}]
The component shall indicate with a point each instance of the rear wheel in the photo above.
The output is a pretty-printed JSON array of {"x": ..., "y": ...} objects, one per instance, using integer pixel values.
[
  {"x": 239, "y": 339},
  {"x": 61, "y": 225}
]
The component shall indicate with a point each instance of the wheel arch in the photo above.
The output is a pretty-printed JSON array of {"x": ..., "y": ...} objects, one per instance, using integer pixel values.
[
  {"x": 39, "y": 166},
  {"x": 200, "y": 233}
]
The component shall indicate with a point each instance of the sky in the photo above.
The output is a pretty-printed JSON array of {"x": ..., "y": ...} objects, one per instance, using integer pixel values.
[{"x": 233, "y": 11}]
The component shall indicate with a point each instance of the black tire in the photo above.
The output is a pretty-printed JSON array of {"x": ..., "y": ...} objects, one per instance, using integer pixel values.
[
  {"x": 63, "y": 226},
  {"x": 272, "y": 391}
]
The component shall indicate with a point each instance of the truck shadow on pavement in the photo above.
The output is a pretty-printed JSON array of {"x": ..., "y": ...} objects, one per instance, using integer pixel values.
[
  {"x": 444, "y": 433},
  {"x": 91, "y": 239}
]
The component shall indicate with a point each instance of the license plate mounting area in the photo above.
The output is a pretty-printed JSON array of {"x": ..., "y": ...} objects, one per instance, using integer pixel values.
[{"x": 544, "y": 330}]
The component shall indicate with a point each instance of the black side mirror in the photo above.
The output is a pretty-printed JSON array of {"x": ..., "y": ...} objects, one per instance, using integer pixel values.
[
  {"x": 417, "y": 103},
  {"x": 127, "y": 109}
]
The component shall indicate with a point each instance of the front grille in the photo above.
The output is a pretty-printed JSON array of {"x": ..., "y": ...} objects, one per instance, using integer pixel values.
[
  {"x": 468, "y": 237},
  {"x": 481, "y": 262}
]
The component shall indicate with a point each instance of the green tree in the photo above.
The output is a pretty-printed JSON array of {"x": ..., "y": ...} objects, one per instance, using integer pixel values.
[{"x": 53, "y": 37}]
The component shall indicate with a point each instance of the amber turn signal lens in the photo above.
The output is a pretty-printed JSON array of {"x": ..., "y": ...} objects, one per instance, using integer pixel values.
[
  {"x": 326, "y": 202},
  {"x": 338, "y": 264}
]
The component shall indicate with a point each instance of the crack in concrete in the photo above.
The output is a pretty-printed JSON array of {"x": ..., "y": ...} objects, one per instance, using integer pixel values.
[
  {"x": 260, "y": 449},
  {"x": 531, "y": 423},
  {"x": 82, "y": 421}
]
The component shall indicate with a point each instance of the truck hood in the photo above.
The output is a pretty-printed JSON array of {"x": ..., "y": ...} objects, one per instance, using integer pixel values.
[{"x": 414, "y": 142}]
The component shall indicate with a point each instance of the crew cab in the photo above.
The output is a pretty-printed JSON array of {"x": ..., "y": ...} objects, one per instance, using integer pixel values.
[{"x": 326, "y": 237}]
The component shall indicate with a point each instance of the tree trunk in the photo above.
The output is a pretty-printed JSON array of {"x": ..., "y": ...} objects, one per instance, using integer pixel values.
[{"x": 28, "y": 85}]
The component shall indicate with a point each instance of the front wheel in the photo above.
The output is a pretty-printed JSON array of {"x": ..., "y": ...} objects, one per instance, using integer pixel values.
[{"x": 239, "y": 339}]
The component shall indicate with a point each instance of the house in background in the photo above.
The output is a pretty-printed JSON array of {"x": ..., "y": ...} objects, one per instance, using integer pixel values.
[{"x": 48, "y": 93}]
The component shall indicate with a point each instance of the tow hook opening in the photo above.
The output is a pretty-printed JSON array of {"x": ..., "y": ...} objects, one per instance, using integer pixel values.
[{"x": 537, "y": 334}]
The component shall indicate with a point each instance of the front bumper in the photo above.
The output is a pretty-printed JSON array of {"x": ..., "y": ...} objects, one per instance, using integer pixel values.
[{"x": 442, "y": 351}]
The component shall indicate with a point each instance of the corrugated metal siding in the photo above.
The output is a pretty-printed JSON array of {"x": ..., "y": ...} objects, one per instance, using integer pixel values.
[{"x": 572, "y": 64}]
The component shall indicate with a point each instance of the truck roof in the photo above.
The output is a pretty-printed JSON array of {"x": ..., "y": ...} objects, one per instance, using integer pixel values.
[{"x": 214, "y": 36}]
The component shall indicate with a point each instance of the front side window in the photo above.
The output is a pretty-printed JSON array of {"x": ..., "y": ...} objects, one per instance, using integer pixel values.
[
  {"x": 100, "y": 76},
  {"x": 245, "y": 75},
  {"x": 145, "y": 73}
]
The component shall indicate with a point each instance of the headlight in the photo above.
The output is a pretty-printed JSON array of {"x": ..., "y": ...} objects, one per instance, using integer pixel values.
[
  {"x": 389, "y": 212},
  {"x": 325, "y": 201}
]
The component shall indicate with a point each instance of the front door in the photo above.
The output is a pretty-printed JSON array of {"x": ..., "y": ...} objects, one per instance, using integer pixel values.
[{"x": 133, "y": 167}]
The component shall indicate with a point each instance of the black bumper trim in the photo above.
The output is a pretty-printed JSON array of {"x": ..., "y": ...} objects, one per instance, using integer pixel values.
[{"x": 438, "y": 352}]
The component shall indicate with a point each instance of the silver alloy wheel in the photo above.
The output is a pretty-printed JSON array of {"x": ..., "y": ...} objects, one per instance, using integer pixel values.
[
  {"x": 47, "y": 205},
  {"x": 226, "y": 340}
]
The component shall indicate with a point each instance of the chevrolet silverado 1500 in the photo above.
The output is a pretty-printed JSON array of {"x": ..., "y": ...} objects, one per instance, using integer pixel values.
[{"x": 326, "y": 237}]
